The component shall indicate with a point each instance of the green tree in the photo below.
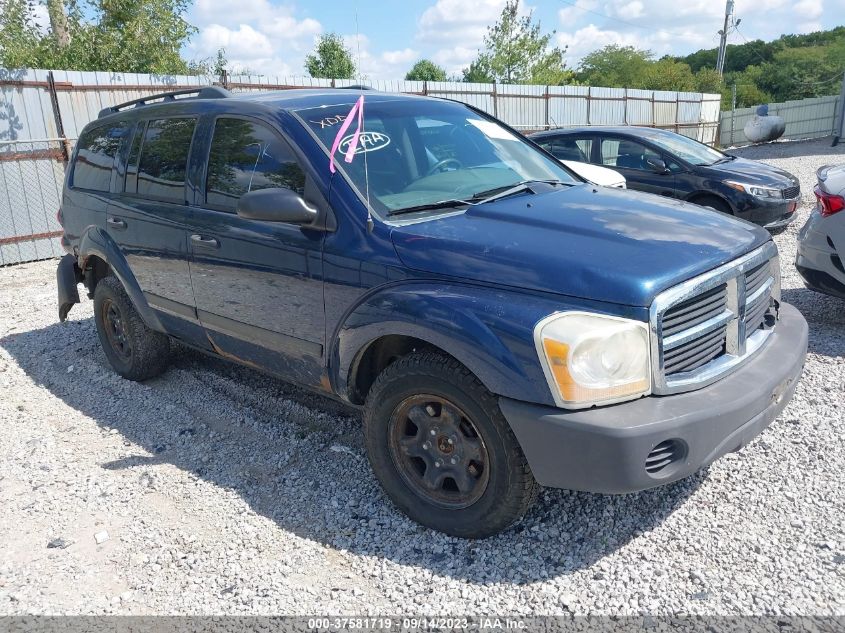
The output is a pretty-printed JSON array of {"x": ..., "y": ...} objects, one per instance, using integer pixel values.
[
  {"x": 667, "y": 74},
  {"x": 116, "y": 35},
  {"x": 708, "y": 80},
  {"x": 478, "y": 72},
  {"x": 426, "y": 70},
  {"x": 615, "y": 66},
  {"x": 516, "y": 51},
  {"x": 331, "y": 59}
]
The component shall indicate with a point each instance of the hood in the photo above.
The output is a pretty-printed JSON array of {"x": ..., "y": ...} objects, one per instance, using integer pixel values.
[
  {"x": 752, "y": 172},
  {"x": 591, "y": 242},
  {"x": 596, "y": 174}
]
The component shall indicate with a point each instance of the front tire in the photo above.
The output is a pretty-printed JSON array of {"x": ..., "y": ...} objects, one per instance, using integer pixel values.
[
  {"x": 443, "y": 451},
  {"x": 133, "y": 350}
]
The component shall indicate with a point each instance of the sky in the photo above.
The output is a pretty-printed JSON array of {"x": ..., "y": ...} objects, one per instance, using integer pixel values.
[{"x": 386, "y": 37}]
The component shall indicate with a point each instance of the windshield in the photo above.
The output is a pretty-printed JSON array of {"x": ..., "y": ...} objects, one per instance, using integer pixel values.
[
  {"x": 421, "y": 152},
  {"x": 687, "y": 149}
]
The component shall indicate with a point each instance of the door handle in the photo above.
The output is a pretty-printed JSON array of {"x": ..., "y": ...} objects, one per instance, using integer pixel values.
[
  {"x": 207, "y": 242},
  {"x": 116, "y": 223}
]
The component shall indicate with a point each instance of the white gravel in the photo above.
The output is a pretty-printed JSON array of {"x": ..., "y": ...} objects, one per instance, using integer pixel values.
[{"x": 214, "y": 489}]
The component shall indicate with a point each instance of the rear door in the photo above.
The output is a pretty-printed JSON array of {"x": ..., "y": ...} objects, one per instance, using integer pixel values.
[
  {"x": 148, "y": 220},
  {"x": 91, "y": 183},
  {"x": 630, "y": 158},
  {"x": 258, "y": 285}
]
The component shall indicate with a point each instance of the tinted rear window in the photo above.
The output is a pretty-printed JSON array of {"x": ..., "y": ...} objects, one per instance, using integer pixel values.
[
  {"x": 96, "y": 149},
  {"x": 164, "y": 159}
]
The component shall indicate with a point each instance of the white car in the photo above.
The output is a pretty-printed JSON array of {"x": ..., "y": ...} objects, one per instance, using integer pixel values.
[{"x": 597, "y": 175}]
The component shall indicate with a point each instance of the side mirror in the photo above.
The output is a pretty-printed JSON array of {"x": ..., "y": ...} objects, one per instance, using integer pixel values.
[
  {"x": 657, "y": 165},
  {"x": 276, "y": 205}
]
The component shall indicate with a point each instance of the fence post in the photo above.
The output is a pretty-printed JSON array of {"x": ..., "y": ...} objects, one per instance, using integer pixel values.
[
  {"x": 589, "y": 103},
  {"x": 548, "y": 113},
  {"x": 425, "y": 87},
  {"x": 837, "y": 133},
  {"x": 57, "y": 115},
  {"x": 224, "y": 79},
  {"x": 495, "y": 101},
  {"x": 625, "y": 107},
  {"x": 733, "y": 112}
]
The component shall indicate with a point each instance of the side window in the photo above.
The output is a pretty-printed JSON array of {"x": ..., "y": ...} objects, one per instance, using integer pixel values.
[
  {"x": 570, "y": 148},
  {"x": 626, "y": 154},
  {"x": 97, "y": 148},
  {"x": 245, "y": 157},
  {"x": 164, "y": 159}
]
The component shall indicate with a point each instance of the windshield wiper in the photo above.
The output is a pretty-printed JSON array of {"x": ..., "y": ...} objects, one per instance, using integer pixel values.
[
  {"x": 442, "y": 204},
  {"x": 510, "y": 190},
  {"x": 477, "y": 198},
  {"x": 726, "y": 159}
]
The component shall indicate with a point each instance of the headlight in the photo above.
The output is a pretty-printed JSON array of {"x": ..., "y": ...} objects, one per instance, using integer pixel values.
[
  {"x": 590, "y": 359},
  {"x": 758, "y": 192}
]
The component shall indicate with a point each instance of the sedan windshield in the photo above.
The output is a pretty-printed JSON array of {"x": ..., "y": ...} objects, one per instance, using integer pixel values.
[
  {"x": 687, "y": 149},
  {"x": 423, "y": 153}
]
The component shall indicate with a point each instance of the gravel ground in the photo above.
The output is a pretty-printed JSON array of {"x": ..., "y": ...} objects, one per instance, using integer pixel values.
[{"x": 214, "y": 489}]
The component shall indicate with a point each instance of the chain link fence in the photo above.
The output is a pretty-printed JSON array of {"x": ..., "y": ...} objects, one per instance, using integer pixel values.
[{"x": 31, "y": 177}]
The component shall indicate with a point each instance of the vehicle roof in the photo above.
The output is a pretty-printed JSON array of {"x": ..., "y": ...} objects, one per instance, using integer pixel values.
[
  {"x": 628, "y": 130},
  {"x": 287, "y": 100}
]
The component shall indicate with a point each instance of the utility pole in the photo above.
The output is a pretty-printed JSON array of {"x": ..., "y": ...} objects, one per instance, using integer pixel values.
[{"x": 723, "y": 43}]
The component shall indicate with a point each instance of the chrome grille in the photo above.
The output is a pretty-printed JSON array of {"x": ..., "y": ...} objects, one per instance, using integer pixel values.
[
  {"x": 791, "y": 192},
  {"x": 708, "y": 325}
]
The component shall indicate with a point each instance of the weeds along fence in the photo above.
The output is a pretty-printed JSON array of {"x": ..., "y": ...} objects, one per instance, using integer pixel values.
[
  {"x": 807, "y": 118},
  {"x": 42, "y": 113}
]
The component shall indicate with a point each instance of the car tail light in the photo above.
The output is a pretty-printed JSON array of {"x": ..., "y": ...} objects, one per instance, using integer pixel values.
[{"x": 828, "y": 202}]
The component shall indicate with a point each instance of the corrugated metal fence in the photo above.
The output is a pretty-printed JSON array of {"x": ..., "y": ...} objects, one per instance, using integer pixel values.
[
  {"x": 42, "y": 113},
  {"x": 807, "y": 118}
]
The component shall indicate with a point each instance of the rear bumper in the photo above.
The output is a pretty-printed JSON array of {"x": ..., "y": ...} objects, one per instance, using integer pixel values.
[
  {"x": 605, "y": 449},
  {"x": 817, "y": 262}
]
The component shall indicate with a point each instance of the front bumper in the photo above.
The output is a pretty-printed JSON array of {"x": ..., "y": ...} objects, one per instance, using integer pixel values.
[
  {"x": 769, "y": 215},
  {"x": 605, "y": 449}
]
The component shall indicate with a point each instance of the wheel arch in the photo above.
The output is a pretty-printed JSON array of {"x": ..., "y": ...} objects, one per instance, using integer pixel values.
[
  {"x": 466, "y": 324},
  {"x": 700, "y": 197},
  {"x": 99, "y": 255}
]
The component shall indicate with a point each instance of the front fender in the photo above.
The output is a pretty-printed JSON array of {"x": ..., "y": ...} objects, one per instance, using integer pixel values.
[
  {"x": 490, "y": 331},
  {"x": 96, "y": 242}
]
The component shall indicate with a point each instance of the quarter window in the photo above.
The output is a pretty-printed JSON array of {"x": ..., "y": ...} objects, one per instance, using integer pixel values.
[
  {"x": 247, "y": 156},
  {"x": 164, "y": 160},
  {"x": 95, "y": 156}
]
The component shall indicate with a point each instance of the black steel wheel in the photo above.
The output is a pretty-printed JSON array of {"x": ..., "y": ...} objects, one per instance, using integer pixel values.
[
  {"x": 438, "y": 451},
  {"x": 133, "y": 350}
]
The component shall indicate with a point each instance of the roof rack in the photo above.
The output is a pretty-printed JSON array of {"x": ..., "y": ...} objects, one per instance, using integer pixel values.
[{"x": 205, "y": 92}]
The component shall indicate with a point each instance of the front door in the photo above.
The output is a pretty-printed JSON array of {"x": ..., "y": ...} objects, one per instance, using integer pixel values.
[
  {"x": 258, "y": 285},
  {"x": 630, "y": 159}
]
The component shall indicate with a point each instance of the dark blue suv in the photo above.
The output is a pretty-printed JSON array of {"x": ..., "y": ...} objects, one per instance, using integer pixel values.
[{"x": 502, "y": 324}]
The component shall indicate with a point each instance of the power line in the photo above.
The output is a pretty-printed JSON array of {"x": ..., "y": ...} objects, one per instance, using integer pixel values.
[{"x": 608, "y": 17}]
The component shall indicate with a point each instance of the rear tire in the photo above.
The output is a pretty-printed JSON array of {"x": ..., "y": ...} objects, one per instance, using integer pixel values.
[
  {"x": 443, "y": 451},
  {"x": 133, "y": 350}
]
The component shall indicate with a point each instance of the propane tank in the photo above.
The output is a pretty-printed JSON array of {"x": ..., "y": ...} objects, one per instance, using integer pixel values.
[{"x": 763, "y": 128}]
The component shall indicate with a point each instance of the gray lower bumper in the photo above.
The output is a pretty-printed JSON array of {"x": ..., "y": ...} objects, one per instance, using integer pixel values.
[{"x": 605, "y": 449}]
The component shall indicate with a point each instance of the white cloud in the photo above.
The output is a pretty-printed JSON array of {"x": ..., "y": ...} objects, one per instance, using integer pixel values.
[
  {"x": 257, "y": 35},
  {"x": 630, "y": 10},
  {"x": 809, "y": 9},
  {"x": 384, "y": 65}
]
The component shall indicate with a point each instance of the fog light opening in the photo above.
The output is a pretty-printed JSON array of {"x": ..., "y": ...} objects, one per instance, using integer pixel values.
[{"x": 665, "y": 458}]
